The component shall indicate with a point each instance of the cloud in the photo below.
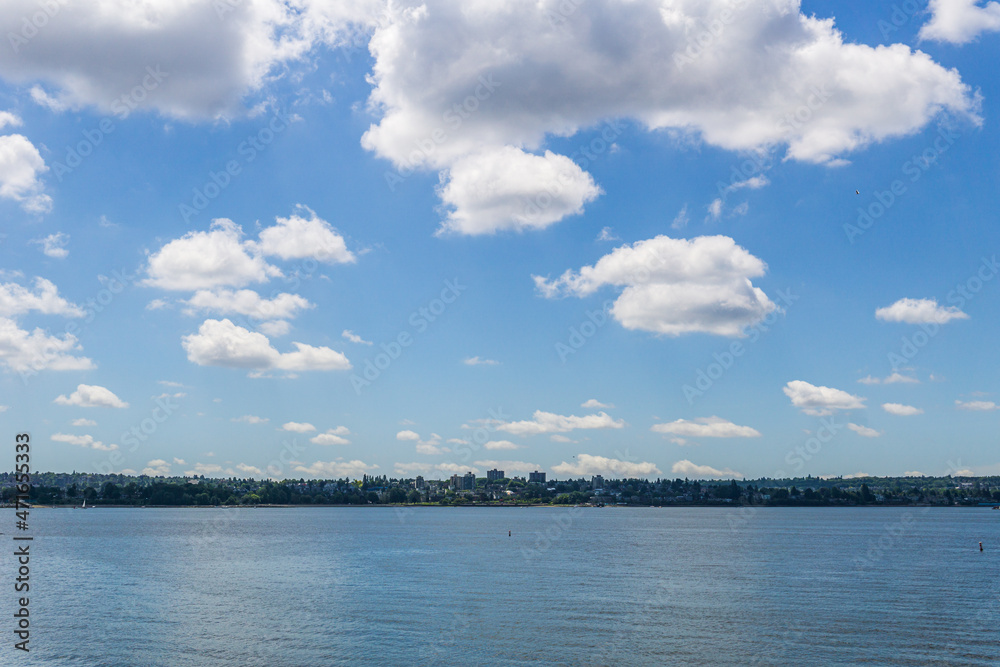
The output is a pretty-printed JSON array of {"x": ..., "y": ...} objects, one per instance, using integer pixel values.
[
  {"x": 333, "y": 436},
  {"x": 169, "y": 383},
  {"x": 706, "y": 427},
  {"x": 901, "y": 410},
  {"x": 54, "y": 245},
  {"x": 297, "y": 237},
  {"x": 44, "y": 298},
  {"x": 752, "y": 183},
  {"x": 682, "y": 219},
  {"x": 407, "y": 435},
  {"x": 274, "y": 328},
  {"x": 549, "y": 422},
  {"x": 207, "y": 260},
  {"x": 476, "y": 361},
  {"x": 178, "y": 394},
  {"x": 81, "y": 422},
  {"x": 157, "y": 468},
  {"x": 560, "y": 438},
  {"x": 91, "y": 396},
  {"x": 894, "y": 378},
  {"x": 354, "y": 338},
  {"x": 919, "y": 311},
  {"x": 251, "y": 419},
  {"x": 336, "y": 469},
  {"x": 675, "y": 286},
  {"x": 247, "y": 302},
  {"x": 607, "y": 234},
  {"x": 715, "y": 209},
  {"x": 8, "y": 118},
  {"x": 222, "y": 343},
  {"x": 85, "y": 441},
  {"x": 587, "y": 464},
  {"x": 249, "y": 469},
  {"x": 454, "y": 92},
  {"x": 507, "y": 189},
  {"x": 179, "y": 462},
  {"x": 431, "y": 449},
  {"x": 29, "y": 352},
  {"x": 502, "y": 444},
  {"x": 864, "y": 431},
  {"x": 689, "y": 469},
  {"x": 913, "y": 473},
  {"x": 594, "y": 404},
  {"x": 298, "y": 427},
  {"x": 157, "y": 304},
  {"x": 821, "y": 401},
  {"x": 960, "y": 21},
  {"x": 188, "y": 59},
  {"x": 207, "y": 469},
  {"x": 980, "y": 406},
  {"x": 20, "y": 169}
]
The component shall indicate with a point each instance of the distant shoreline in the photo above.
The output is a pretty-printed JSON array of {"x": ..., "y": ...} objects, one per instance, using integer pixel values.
[{"x": 480, "y": 505}]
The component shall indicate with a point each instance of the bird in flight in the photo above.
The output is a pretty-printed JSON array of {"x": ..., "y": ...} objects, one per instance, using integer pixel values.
[{"x": 856, "y": 192}]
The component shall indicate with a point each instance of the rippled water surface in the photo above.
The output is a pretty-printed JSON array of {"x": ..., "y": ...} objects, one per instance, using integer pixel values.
[{"x": 585, "y": 586}]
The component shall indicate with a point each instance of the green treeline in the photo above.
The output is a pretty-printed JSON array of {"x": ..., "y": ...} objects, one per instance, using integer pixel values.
[{"x": 72, "y": 489}]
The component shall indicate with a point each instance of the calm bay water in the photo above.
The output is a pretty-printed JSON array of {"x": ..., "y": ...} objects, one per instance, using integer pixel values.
[{"x": 586, "y": 586}]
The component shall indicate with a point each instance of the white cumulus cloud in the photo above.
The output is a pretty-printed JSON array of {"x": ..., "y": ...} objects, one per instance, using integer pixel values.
[
  {"x": 304, "y": 235},
  {"x": 222, "y": 343},
  {"x": 821, "y": 401},
  {"x": 251, "y": 419},
  {"x": 21, "y": 167},
  {"x": 476, "y": 361},
  {"x": 901, "y": 410},
  {"x": 85, "y": 441},
  {"x": 54, "y": 245},
  {"x": 456, "y": 88},
  {"x": 587, "y": 464},
  {"x": 332, "y": 436},
  {"x": 207, "y": 260},
  {"x": 864, "y": 430},
  {"x": 706, "y": 427},
  {"x": 501, "y": 444},
  {"x": 980, "y": 406},
  {"x": 549, "y": 422},
  {"x": 960, "y": 21},
  {"x": 675, "y": 286},
  {"x": 689, "y": 469},
  {"x": 919, "y": 311},
  {"x": 298, "y": 427},
  {"x": 508, "y": 189},
  {"x": 91, "y": 396},
  {"x": 44, "y": 298},
  {"x": 247, "y": 302},
  {"x": 354, "y": 338}
]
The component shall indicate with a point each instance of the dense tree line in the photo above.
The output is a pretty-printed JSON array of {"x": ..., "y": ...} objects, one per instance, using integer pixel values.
[{"x": 74, "y": 488}]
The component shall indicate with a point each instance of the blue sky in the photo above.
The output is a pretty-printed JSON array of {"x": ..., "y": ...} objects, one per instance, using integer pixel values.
[{"x": 569, "y": 214}]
